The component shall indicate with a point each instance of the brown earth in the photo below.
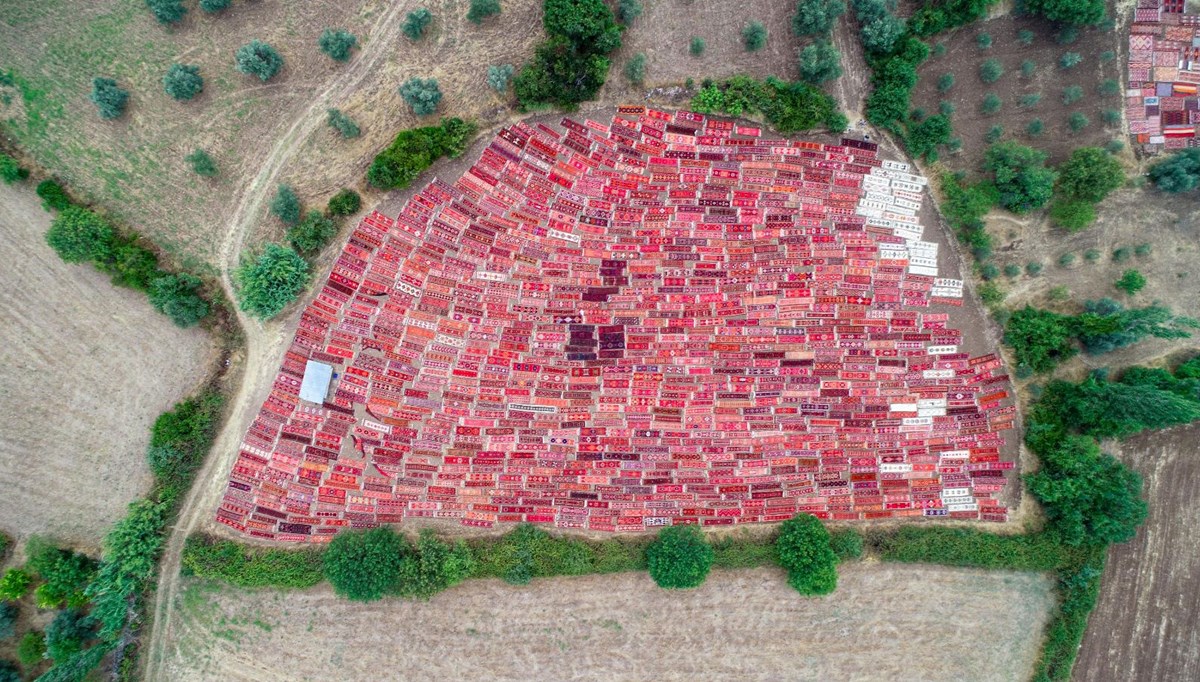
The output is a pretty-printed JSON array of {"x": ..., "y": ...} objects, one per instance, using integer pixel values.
[
  {"x": 1147, "y": 624},
  {"x": 963, "y": 58},
  {"x": 883, "y": 622},
  {"x": 88, "y": 367}
]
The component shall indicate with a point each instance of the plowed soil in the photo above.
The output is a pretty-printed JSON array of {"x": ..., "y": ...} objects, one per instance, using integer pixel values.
[
  {"x": 87, "y": 368},
  {"x": 883, "y": 622}
]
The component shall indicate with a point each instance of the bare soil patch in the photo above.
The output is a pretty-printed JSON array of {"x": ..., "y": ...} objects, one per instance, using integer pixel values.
[
  {"x": 88, "y": 367},
  {"x": 963, "y": 58},
  {"x": 1147, "y": 623},
  {"x": 884, "y": 622}
]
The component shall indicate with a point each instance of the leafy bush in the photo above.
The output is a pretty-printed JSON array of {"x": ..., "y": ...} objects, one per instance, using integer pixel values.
[
  {"x": 628, "y": 10},
  {"x": 696, "y": 46},
  {"x": 964, "y": 208},
  {"x": 528, "y": 552},
  {"x": 183, "y": 81},
  {"x": 286, "y": 205},
  {"x": 1078, "y": 12},
  {"x": 202, "y": 164},
  {"x": 1012, "y": 270},
  {"x": 14, "y": 584},
  {"x": 805, "y": 553},
  {"x": 267, "y": 284},
  {"x": 342, "y": 123},
  {"x": 244, "y": 566},
  {"x": 990, "y": 71},
  {"x": 1020, "y": 176},
  {"x": 32, "y": 649},
  {"x": 422, "y": 94},
  {"x": 1071, "y": 214},
  {"x": 1078, "y": 121},
  {"x": 924, "y": 138},
  {"x": 1040, "y": 339},
  {"x": 1131, "y": 282},
  {"x": 78, "y": 235},
  {"x": 53, "y": 195},
  {"x": 635, "y": 69},
  {"x": 1179, "y": 172},
  {"x": 337, "y": 43},
  {"x": 178, "y": 297},
  {"x": 435, "y": 566},
  {"x": 345, "y": 202},
  {"x": 1033, "y": 268},
  {"x": 994, "y": 134},
  {"x": 846, "y": 544},
  {"x": 788, "y": 107},
  {"x": 1143, "y": 249},
  {"x": 816, "y": 17},
  {"x": 991, "y": 104},
  {"x": 365, "y": 565},
  {"x": 754, "y": 36},
  {"x": 416, "y": 149},
  {"x": 679, "y": 557},
  {"x": 989, "y": 271},
  {"x": 820, "y": 62},
  {"x": 945, "y": 82},
  {"x": 312, "y": 234},
  {"x": 416, "y": 22},
  {"x": 108, "y": 98},
  {"x": 167, "y": 11},
  {"x": 983, "y": 41},
  {"x": 482, "y": 9},
  {"x": 213, "y": 6},
  {"x": 257, "y": 58},
  {"x": 10, "y": 169},
  {"x": 1035, "y": 128},
  {"x": 499, "y": 76},
  {"x": 67, "y": 633}
]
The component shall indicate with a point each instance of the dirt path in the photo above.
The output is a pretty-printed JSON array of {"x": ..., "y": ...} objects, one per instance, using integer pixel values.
[
  {"x": 261, "y": 341},
  {"x": 852, "y": 88}
]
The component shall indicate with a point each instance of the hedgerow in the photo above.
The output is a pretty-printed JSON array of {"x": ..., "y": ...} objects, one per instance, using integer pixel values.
[
  {"x": 788, "y": 107},
  {"x": 416, "y": 149},
  {"x": 243, "y": 566}
]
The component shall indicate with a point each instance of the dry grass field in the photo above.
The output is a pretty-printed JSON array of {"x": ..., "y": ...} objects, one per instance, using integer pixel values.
[
  {"x": 883, "y": 622},
  {"x": 87, "y": 368},
  {"x": 963, "y": 57},
  {"x": 1147, "y": 624}
]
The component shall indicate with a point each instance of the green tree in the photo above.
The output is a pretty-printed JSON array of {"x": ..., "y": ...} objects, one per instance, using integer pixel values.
[
  {"x": 213, "y": 6},
  {"x": 1040, "y": 339},
  {"x": 257, "y": 58},
  {"x": 820, "y": 62},
  {"x": 696, "y": 47},
  {"x": 991, "y": 104},
  {"x": 880, "y": 29},
  {"x": 994, "y": 134},
  {"x": 1072, "y": 214},
  {"x": 1072, "y": 94},
  {"x": 805, "y": 553},
  {"x": 53, "y": 196},
  {"x": 1035, "y": 128},
  {"x": 78, "y": 235},
  {"x": 343, "y": 124},
  {"x": 312, "y": 234},
  {"x": 416, "y": 22},
  {"x": 635, "y": 69},
  {"x": 1090, "y": 174},
  {"x": 588, "y": 25},
  {"x": 365, "y": 565},
  {"x": 990, "y": 71},
  {"x": 924, "y": 137},
  {"x": 1070, "y": 60},
  {"x": 8, "y": 620},
  {"x": 628, "y": 10},
  {"x": 945, "y": 82},
  {"x": 754, "y": 36},
  {"x": 10, "y": 169},
  {"x": 130, "y": 559},
  {"x": 1109, "y": 87},
  {"x": 32, "y": 649},
  {"x": 422, "y": 94},
  {"x": 1131, "y": 282},
  {"x": 1025, "y": 37},
  {"x": 67, "y": 633},
  {"x": 9, "y": 672},
  {"x": 983, "y": 41},
  {"x": 1020, "y": 176},
  {"x": 499, "y": 76},
  {"x": 267, "y": 284},
  {"x": 1028, "y": 67},
  {"x": 345, "y": 202},
  {"x": 178, "y": 297},
  {"x": 202, "y": 164},
  {"x": 183, "y": 81},
  {"x": 1031, "y": 100},
  {"x": 109, "y": 99},
  {"x": 1078, "y": 121},
  {"x": 286, "y": 205},
  {"x": 14, "y": 584},
  {"x": 1179, "y": 172},
  {"x": 816, "y": 17},
  {"x": 167, "y": 11},
  {"x": 337, "y": 43},
  {"x": 680, "y": 557},
  {"x": 482, "y": 9},
  {"x": 1078, "y": 12}
]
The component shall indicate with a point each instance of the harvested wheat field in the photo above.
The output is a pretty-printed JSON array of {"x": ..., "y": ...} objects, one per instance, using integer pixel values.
[
  {"x": 884, "y": 622},
  {"x": 89, "y": 368},
  {"x": 1147, "y": 623}
]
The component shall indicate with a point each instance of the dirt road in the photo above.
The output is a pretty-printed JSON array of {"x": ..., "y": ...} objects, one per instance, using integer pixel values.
[{"x": 262, "y": 341}]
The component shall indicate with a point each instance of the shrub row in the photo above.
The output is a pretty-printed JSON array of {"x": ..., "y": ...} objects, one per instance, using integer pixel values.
[
  {"x": 416, "y": 149},
  {"x": 788, "y": 107}
]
